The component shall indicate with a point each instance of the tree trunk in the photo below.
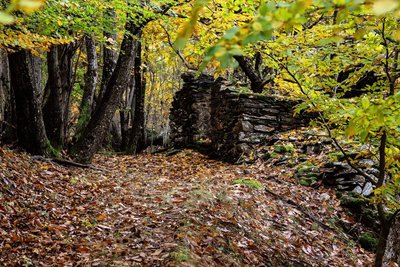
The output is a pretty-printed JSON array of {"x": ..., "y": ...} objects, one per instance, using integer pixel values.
[
  {"x": 25, "y": 72},
  {"x": 53, "y": 110},
  {"x": 93, "y": 135},
  {"x": 109, "y": 55},
  {"x": 59, "y": 88},
  {"x": 137, "y": 136},
  {"x": 256, "y": 81},
  {"x": 91, "y": 78},
  {"x": 392, "y": 252},
  {"x": 8, "y": 122}
]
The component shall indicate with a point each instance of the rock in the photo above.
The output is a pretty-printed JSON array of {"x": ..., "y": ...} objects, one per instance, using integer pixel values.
[
  {"x": 367, "y": 190},
  {"x": 358, "y": 189},
  {"x": 264, "y": 128},
  {"x": 366, "y": 163},
  {"x": 243, "y": 148},
  {"x": 246, "y": 126}
]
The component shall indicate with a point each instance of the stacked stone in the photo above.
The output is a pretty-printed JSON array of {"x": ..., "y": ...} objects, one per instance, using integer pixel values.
[
  {"x": 241, "y": 121},
  {"x": 209, "y": 110},
  {"x": 190, "y": 113}
]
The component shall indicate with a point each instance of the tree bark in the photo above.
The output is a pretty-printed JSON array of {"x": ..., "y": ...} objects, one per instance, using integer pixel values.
[
  {"x": 25, "y": 72},
  {"x": 256, "y": 82},
  {"x": 53, "y": 111},
  {"x": 59, "y": 89},
  {"x": 7, "y": 108},
  {"x": 93, "y": 135},
  {"x": 109, "y": 55},
  {"x": 137, "y": 135},
  {"x": 91, "y": 78},
  {"x": 392, "y": 253}
]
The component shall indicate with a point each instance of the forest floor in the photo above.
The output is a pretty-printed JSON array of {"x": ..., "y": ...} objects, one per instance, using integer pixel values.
[{"x": 160, "y": 210}]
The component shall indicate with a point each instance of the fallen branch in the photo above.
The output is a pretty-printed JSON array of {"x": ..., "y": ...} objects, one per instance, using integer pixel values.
[{"x": 69, "y": 163}]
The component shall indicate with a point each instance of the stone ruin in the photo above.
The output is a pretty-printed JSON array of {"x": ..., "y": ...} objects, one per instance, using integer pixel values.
[{"x": 210, "y": 111}]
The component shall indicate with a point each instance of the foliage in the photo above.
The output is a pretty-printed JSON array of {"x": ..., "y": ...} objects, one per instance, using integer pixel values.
[{"x": 250, "y": 183}]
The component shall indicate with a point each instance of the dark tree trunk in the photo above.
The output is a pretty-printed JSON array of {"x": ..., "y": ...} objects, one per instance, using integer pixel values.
[
  {"x": 53, "y": 111},
  {"x": 93, "y": 135},
  {"x": 392, "y": 253},
  {"x": 8, "y": 122},
  {"x": 137, "y": 135},
  {"x": 109, "y": 55},
  {"x": 58, "y": 88},
  {"x": 91, "y": 78},
  {"x": 380, "y": 250},
  {"x": 254, "y": 74},
  {"x": 25, "y": 72}
]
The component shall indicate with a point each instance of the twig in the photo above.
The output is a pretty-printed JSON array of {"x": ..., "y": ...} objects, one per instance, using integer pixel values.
[{"x": 185, "y": 62}]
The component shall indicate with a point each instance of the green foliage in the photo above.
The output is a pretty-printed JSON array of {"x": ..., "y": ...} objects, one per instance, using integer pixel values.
[
  {"x": 288, "y": 148},
  {"x": 368, "y": 241}
]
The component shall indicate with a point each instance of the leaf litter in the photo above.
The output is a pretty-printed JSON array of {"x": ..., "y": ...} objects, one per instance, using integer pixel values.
[{"x": 159, "y": 210}]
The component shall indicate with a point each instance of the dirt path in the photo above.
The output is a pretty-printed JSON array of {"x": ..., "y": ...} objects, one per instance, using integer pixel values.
[{"x": 157, "y": 210}]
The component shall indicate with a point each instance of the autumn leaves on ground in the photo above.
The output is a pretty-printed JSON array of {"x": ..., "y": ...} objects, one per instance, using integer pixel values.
[{"x": 160, "y": 210}]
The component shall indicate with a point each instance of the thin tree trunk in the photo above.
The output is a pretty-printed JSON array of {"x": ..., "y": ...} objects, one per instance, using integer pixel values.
[
  {"x": 109, "y": 55},
  {"x": 93, "y": 135},
  {"x": 256, "y": 81},
  {"x": 137, "y": 136},
  {"x": 91, "y": 78},
  {"x": 25, "y": 72},
  {"x": 125, "y": 113},
  {"x": 53, "y": 110}
]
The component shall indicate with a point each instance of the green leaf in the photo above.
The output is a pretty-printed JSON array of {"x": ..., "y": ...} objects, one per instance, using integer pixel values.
[
  {"x": 263, "y": 9},
  {"x": 231, "y": 33},
  {"x": 180, "y": 42},
  {"x": 365, "y": 103}
]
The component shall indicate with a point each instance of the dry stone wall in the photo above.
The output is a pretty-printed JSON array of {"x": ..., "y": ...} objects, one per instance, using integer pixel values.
[
  {"x": 209, "y": 110},
  {"x": 190, "y": 114}
]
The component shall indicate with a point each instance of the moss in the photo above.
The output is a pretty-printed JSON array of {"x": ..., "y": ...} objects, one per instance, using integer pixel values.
[
  {"x": 304, "y": 182},
  {"x": 309, "y": 181},
  {"x": 182, "y": 254},
  {"x": 354, "y": 202},
  {"x": 54, "y": 151},
  {"x": 368, "y": 241},
  {"x": 289, "y": 148},
  {"x": 249, "y": 183}
]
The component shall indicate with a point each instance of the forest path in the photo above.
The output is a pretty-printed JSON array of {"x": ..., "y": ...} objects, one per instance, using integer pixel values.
[{"x": 159, "y": 210}]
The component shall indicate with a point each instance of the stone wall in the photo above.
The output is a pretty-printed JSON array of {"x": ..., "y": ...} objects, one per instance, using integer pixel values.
[
  {"x": 190, "y": 114},
  {"x": 209, "y": 110},
  {"x": 242, "y": 121}
]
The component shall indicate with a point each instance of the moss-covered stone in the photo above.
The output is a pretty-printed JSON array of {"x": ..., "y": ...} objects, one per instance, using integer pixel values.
[{"x": 354, "y": 202}]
